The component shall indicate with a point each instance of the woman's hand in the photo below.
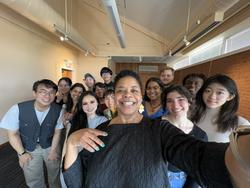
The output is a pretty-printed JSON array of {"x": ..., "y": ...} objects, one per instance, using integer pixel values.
[{"x": 86, "y": 138}]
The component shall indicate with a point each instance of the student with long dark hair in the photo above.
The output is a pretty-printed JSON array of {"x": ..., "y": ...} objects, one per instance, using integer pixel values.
[
  {"x": 152, "y": 98},
  {"x": 70, "y": 107},
  {"x": 64, "y": 85},
  {"x": 88, "y": 113},
  {"x": 217, "y": 103}
]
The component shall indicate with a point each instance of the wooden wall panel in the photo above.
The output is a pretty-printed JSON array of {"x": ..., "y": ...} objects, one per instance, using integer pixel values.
[
  {"x": 135, "y": 67},
  {"x": 123, "y": 66},
  {"x": 237, "y": 66}
]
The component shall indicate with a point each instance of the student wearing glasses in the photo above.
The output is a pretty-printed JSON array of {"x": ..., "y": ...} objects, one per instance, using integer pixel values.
[{"x": 34, "y": 129}]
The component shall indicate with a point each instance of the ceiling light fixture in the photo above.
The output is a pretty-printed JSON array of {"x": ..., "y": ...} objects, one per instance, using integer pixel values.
[
  {"x": 61, "y": 38},
  {"x": 170, "y": 53},
  {"x": 64, "y": 38},
  {"x": 185, "y": 40},
  {"x": 86, "y": 53},
  {"x": 71, "y": 40},
  {"x": 115, "y": 19}
]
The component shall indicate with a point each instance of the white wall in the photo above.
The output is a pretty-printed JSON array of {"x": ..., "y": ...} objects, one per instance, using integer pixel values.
[
  {"x": 27, "y": 55},
  {"x": 91, "y": 65}
]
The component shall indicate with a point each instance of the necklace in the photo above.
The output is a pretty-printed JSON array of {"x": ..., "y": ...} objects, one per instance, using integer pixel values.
[
  {"x": 153, "y": 108},
  {"x": 186, "y": 126}
]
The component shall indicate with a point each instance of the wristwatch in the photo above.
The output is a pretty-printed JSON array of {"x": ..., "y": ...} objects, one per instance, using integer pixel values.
[
  {"x": 241, "y": 130},
  {"x": 20, "y": 154}
]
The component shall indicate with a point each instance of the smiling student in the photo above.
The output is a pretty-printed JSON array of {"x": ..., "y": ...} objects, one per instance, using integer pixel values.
[
  {"x": 76, "y": 91},
  {"x": 89, "y": 81},
  {"x": 106, "y": 74},
  {"x": 64, "y": 85},
  {"x": 167, "y": 76},
  {"x": 88, "y": 113},
  {"x": 109, "y": 99},
  {"x": 34, "y": 129},
  {"x": 217, "y": 103},
  {"x": 152, "y": 98},
  {"x": 177, "y": 100}
]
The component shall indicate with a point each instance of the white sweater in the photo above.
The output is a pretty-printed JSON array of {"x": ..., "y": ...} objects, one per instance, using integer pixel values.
[{"x": 207, "y": 124}]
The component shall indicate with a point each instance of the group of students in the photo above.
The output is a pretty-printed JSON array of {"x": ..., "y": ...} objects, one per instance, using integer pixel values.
[
  {"x": 134, "y": 148},
  {"x": 201, "y": 107}
]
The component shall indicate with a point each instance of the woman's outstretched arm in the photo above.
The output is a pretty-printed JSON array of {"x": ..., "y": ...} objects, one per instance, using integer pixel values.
[
  {"x": 204, "y": 161},
  {"x": 239, "y": 171}
]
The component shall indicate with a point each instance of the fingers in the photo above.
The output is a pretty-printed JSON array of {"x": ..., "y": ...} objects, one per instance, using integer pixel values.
[
  {"x": 98, "y": 132},
  {"x": 90, "y": 140},
  {"x": 88, "y": 146},
  {"x": 91, "y": 143},
  {"x": 87, "y": 138}
]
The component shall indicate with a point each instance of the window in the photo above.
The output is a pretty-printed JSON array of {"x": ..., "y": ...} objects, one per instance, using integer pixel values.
[{"x": 237, "y": 41}]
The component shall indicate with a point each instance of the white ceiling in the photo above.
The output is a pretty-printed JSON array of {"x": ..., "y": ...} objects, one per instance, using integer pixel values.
[
  {"x": 151, "y": 27},
  {"x": 169, "y": 18}
]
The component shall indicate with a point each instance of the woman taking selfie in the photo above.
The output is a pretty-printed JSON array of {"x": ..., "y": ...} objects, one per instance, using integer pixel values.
[{"x": 134, "y": 149}]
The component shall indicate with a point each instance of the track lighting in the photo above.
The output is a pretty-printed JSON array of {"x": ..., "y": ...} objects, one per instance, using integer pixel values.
[
  {"x": 72, "y": 40},
  {"x": 170, "y": 53},
  {"x": 186, "y": 41},
  {"x": 64, "y": 38},
  {"x": 86, "y": 53}
]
